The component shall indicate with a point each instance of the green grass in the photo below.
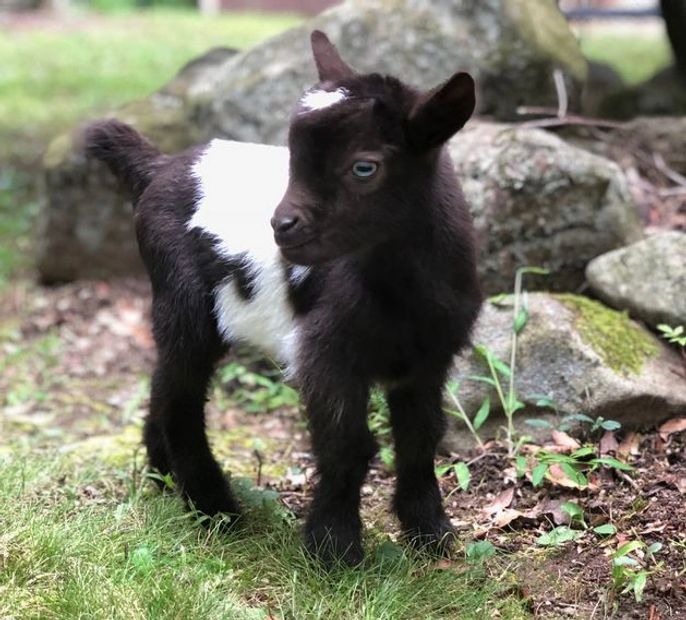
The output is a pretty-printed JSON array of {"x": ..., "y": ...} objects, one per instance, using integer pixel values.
[
  {"x": 635, "y": 58},
  {"x": 89, "y": 540},
  {"x": 51, "y": 79}
]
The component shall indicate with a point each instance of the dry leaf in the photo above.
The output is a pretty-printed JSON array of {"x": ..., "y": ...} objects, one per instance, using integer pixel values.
[
  {"x": 608, "y": 444},
  {"x": 501, "y": 501},
  {"x": 564, "y": 440},
  {"x": 675, "y": 425},
  {"x": 506, "y": 517},
  {"x": 629, "y": 445}
]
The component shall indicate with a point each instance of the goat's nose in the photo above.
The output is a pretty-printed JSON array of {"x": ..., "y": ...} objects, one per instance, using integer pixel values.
[{"x": 284, "y": 224}]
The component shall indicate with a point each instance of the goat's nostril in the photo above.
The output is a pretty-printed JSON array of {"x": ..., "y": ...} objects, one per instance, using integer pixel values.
[{"x": 284, "y": 224}]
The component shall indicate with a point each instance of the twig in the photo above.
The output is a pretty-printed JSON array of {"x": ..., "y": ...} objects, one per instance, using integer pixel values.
[
  {"x": 561, "y": 90},
  {"x": 569, "y": 120},
  {"x": 669, "y": 192},
  {"x": 671, "y": 174},
  {"x": 258, "y": 456}
]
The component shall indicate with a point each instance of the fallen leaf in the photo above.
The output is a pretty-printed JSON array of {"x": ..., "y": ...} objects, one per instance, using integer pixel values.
[
  {"x": 506, "y": 517},
  {"x": 556, "y": 475},
  {"x": 608, "y": 444},
  {"x": 501, "y": 501},
  {"x": 563, "y": 440},
  {"x": 552, "y": 507},
  {"x": 676, "y": 425},
  {"x": 629, "y": 445}
]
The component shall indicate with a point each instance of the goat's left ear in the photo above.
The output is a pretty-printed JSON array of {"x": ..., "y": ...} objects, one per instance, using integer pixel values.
[
  {"x": 330, "y": 65},
  {"x": 441, "y": 112}
]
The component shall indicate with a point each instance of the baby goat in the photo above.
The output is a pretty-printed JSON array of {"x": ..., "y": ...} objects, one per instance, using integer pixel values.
[{"x": 366, "y": 276}]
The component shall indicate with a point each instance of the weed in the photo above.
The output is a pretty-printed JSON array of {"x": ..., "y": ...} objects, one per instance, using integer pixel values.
[
  {"x": 673, "y": 335},
  {"x": 630, "y": 567},
  {"x": 257, "y": 392}
]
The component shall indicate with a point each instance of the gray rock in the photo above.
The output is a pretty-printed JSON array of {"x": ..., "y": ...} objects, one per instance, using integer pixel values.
[
  {"x": 512, "y": 47},
  {"x": 647, "y": 278},
  {"x": 539, "y": 201},
  {"x": 664, "y": 94},
  {"x": 86, "y": 225},
  {"x": 585, "y": 357},
  {"x": 535, "y": 201}
]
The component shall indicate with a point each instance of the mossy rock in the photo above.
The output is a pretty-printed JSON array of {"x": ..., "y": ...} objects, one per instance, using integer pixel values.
[
  {"x": 580, "y": 354},
  {"x": 621, "y": 343}
]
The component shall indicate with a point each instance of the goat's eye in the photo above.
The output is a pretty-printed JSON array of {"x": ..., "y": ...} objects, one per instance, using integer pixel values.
[{"x": 365, "y": 169}]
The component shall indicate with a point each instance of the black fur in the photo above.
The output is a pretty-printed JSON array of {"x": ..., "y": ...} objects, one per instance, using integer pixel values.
[{"x": 390, "y": 296}]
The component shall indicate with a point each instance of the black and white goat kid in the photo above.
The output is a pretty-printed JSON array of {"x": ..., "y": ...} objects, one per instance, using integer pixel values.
[{"x": 348, "y": 256}]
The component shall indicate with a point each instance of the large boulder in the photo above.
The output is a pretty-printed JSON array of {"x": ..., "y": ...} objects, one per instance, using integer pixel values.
[
  {"x": 86, "y": 225},
  {"x": 512, "y": 47},
  {"x": 584, "y": 357},
  {"x": 539, "y": 201},
  {"x": 647, "y": 278},
  {"x": 535, "y": 200}
]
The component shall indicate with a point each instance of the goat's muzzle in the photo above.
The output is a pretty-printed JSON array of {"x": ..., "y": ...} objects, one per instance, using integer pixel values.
[{"x": 290, "y": 231}]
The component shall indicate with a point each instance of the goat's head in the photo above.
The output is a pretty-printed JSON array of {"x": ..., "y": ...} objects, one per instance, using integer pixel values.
[{"x": 363, "y": 154}]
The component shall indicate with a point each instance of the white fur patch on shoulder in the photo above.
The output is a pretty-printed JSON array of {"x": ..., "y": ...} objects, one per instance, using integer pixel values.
[
  {"x": 266, "y": 320},
  {"x": 240, "y": 185},
  {"x": 320, "y": 99}
]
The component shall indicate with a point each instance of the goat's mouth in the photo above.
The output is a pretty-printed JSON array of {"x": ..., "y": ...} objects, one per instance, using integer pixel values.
[{"x": 302, "y": 252}]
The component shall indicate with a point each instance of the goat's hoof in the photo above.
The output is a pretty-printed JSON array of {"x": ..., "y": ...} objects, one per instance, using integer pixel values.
[
  {"x": 436, "y": 538},
  {"x": 334, "y": 547}
]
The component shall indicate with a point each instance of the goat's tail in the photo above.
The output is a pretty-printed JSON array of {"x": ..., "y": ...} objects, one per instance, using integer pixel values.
[{"x": 130, "y": 157}]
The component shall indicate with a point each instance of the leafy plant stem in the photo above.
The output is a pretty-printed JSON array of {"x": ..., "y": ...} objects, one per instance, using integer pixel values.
[{"x": 465, "y": 418}]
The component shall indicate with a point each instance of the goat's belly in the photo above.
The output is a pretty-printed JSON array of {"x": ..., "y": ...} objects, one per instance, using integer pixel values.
[{"x": 262, "y": 316}]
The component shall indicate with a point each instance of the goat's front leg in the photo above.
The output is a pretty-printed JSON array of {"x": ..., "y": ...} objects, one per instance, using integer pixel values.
[
  {"x": 418, "y": 424},
  {"x": 343, "y": 447}
]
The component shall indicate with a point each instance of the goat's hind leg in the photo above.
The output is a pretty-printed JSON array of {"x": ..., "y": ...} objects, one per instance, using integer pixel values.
[{"x": 175, "y": 429}]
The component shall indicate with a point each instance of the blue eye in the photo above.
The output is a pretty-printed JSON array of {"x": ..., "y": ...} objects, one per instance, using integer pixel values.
[{"x": 365, "y": 169}]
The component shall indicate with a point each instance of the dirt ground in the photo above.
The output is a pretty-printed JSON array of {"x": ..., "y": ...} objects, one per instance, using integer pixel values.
[{"x": 76, "y": 360}]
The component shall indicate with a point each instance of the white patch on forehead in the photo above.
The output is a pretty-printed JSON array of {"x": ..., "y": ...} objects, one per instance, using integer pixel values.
[{"x": 321, "y": 99}]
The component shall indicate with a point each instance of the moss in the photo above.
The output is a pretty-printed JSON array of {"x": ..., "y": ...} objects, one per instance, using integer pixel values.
[
  {"x": 541, "y": 23},
  {"x": 621, "y": 344}
]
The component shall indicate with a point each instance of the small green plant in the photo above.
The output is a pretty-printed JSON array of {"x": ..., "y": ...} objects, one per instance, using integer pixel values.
[
  {"x": 576, "y": 465},
  {"x": 673, "y": 335},
  {"x": 478, "y": 551},
  {"x": 461, "y": 471},
  {"x": 558, "y": 536},
  {"x": 588, "y": 427},
  {"x": 256, "y": 392},
  {"x": 575, "y": 530},
  {"x": 453, "y": 389},
  {"x": 379, "y": 422},
  {"x": 501, "y": 372},
  {"x": 630, "y": 567}
]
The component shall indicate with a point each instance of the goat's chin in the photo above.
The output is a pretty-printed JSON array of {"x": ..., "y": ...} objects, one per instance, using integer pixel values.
[
  {"x": 309, "y": 254},
  {"x": 303, "y": 255}
]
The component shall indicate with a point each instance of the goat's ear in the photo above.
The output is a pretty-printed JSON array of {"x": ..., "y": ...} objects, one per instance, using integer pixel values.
[
  {"x": 441, "y": 112},
  {"x": 330, "y": 65}
]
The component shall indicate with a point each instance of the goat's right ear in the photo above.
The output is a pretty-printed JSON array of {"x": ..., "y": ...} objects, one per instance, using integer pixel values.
[
  {"x": 441, "y": 112},
  {"x": 330, "y": 65}
]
